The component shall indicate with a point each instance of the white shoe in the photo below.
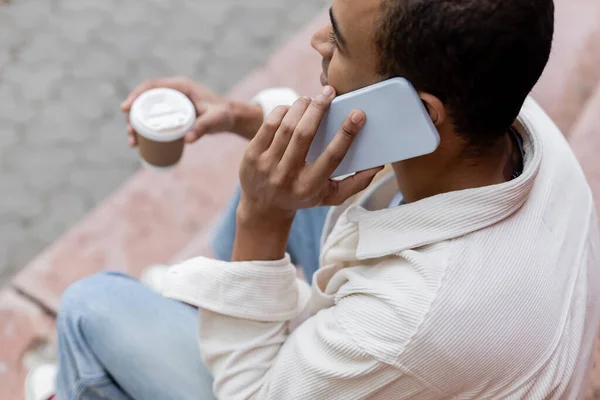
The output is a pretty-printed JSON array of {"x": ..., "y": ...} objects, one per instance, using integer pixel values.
[
  {"x": 40, "y": 383},
  {"x": 154, "y": 277}
]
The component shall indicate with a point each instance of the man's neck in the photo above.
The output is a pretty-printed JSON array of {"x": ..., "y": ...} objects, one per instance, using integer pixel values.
[{"x": 448, "y": 169}]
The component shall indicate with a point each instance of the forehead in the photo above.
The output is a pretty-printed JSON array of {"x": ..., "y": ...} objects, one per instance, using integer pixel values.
[{"x": 356, "y": 16}]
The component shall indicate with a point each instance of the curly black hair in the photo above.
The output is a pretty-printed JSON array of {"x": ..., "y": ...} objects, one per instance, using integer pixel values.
[{"x": 481, "y": 58}]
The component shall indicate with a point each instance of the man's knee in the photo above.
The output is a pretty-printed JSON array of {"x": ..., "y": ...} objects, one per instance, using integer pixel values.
[{"x": 93, "y": 294}]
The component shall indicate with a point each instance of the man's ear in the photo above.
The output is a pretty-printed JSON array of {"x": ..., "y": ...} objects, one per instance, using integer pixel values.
[{"x": 435, "y": 108}]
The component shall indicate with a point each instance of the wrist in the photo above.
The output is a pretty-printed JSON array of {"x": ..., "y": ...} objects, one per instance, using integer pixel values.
[
  {"x": 252, "y": 215},
  {"x": 260, "y": 236},
  {"x": 248, "y": 118}
]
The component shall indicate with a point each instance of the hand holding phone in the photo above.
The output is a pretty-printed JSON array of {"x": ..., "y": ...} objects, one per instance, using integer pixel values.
[
  {"x": 276, "y": 181},
  {"x": 274, "y": 176},
  {"x": 398, "y": 127}
]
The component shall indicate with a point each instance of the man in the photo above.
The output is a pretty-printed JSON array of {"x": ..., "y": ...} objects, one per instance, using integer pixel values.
[{"x": 478, "y": 282}]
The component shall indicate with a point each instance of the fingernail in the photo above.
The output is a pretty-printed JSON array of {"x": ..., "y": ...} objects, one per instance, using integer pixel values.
[
  {"x": 327, "y": 91},
  {"x": 357, "y": 117}
]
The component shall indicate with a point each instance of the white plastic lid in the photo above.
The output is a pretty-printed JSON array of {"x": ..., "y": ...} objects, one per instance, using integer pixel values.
[{"x": 162, "y": 115}]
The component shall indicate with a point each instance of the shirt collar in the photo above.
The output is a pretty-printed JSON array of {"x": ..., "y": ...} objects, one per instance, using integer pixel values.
[{"x": 448, "y": 215}]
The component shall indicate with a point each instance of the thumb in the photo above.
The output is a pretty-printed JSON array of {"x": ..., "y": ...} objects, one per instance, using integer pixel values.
[
  {"x": 340, "y": 191},
  {"x": 210, "y": 121},
  {"x": 135, "y": 93}
]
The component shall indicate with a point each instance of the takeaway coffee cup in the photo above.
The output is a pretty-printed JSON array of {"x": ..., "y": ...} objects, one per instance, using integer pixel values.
[{"x": 161, "y": 117}]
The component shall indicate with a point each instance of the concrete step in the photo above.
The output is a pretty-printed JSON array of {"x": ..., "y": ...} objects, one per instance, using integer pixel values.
[
  {"x": 23, "y": 325},
  {"x": 573, "y": 71},
  {"x": 585, "y": 141}
]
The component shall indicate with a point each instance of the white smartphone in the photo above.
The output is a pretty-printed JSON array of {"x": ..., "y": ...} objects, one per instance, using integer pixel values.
[{"x": 398, "y": 127}]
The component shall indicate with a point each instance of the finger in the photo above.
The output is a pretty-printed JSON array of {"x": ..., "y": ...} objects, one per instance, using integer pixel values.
[
  {"x": 201, "y": 107},
  {"x": 139, "y": 89},
  {"x": 177, "y": 83},
  {"x": 132, "y": 139},
  {"x": 304, "y": 133},
  {"x": 340, "y": 191},
  {"x": 335, "y": 152},
  {"x": 264, "y": 137},
  {"x": 208, "y": 122},
  {"x": 286, "y": 129}
]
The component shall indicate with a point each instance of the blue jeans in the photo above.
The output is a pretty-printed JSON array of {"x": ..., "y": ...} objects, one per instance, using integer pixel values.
[
  {"x": 304, "y": 245},
  {"x": 118, "y": 339}
]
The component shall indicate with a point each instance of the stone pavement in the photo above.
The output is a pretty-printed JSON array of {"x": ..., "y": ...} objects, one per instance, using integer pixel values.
[{"x": 65, "y": 66}]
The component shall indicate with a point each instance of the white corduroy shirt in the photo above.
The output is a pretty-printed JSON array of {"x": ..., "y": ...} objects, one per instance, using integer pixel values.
[{"x": 486, "y": 293}]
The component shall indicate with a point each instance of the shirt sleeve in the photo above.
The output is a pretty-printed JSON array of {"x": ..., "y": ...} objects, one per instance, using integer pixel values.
[{"x": 244, "y": 309}]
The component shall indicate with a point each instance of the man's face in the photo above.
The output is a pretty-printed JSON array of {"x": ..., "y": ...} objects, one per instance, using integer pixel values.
[{"x": 347, "y": 45}]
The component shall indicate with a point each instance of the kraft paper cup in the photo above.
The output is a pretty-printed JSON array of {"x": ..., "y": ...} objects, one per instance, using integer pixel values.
[{"x": 161, "y": 117}]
